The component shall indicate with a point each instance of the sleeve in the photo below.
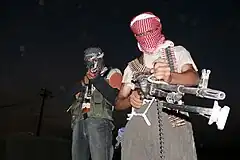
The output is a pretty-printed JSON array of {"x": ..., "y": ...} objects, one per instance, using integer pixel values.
[
  {"x": 127, "y": 77},
  {"x": 115, "y": 78},
  {"x": 183, "y": 57},
  {"x": 70, "y": 97}
]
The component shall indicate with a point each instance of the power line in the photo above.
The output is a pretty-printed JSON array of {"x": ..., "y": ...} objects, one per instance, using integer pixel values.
[
  {"x": 30, "y": 101},
  {"x": 19, "y": 103}
]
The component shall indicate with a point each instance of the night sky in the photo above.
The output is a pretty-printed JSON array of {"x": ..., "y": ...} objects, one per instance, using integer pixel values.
[{"x": 42, "y": 46}]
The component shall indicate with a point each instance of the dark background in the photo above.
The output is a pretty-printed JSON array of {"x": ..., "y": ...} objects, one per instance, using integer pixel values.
[{"x": 42, "y": 46}]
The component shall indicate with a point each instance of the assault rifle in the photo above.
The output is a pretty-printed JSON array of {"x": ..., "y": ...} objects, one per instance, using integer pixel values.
[{"x": 152, "y": 88}]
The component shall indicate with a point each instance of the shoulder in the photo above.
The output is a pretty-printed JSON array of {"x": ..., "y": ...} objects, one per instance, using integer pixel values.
[
  {"x": 115, "y": 78},
  {"x": 127, "y": 71},
  {"x": 134, "y": 61},
  {"x": 129, "y": 66},
  {"x": 183, "y": 57},
  {"x": 181, "y": 53}
]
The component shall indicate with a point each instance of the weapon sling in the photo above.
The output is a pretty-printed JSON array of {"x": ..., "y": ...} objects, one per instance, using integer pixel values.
[{"x": 105, "y": 89}]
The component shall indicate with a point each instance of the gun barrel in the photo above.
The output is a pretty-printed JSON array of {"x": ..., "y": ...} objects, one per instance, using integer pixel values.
[
  {"x": 200, "y": 92},
  {"x": 204, "y": 93},
  {"x": 212, "y": 94}
]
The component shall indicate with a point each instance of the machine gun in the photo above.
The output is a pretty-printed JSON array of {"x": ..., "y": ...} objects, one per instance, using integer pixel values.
[{"x": 151, "y": 88}]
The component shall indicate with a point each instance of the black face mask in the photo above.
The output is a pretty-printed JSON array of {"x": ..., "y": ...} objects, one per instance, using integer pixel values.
[{"x": 95, "y": 66}]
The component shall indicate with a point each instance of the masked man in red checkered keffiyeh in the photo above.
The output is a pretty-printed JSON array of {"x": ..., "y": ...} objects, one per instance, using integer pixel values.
[{"x": 169, "y": 136}]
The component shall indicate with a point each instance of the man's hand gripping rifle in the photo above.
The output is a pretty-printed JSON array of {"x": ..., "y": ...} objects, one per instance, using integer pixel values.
[{"x": 149, "y": 88}]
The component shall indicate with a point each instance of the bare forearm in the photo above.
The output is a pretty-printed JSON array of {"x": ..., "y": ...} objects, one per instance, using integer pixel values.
[
  {"x": 188, "y": 78},
  {"x": 122, "y": 103}
]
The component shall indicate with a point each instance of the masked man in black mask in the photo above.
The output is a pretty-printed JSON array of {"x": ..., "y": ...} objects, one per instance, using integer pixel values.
[{"x": 92, "y": 109}]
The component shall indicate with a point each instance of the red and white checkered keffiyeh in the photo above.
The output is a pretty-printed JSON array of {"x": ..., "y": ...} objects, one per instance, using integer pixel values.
[{"x": 147, "y": 29}]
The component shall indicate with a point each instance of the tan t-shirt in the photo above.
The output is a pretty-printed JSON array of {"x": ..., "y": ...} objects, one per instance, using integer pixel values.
[{"x": 181, "y": 54}]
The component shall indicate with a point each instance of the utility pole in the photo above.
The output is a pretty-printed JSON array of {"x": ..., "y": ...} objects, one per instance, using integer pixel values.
[{"x": 44, "y": 93}]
